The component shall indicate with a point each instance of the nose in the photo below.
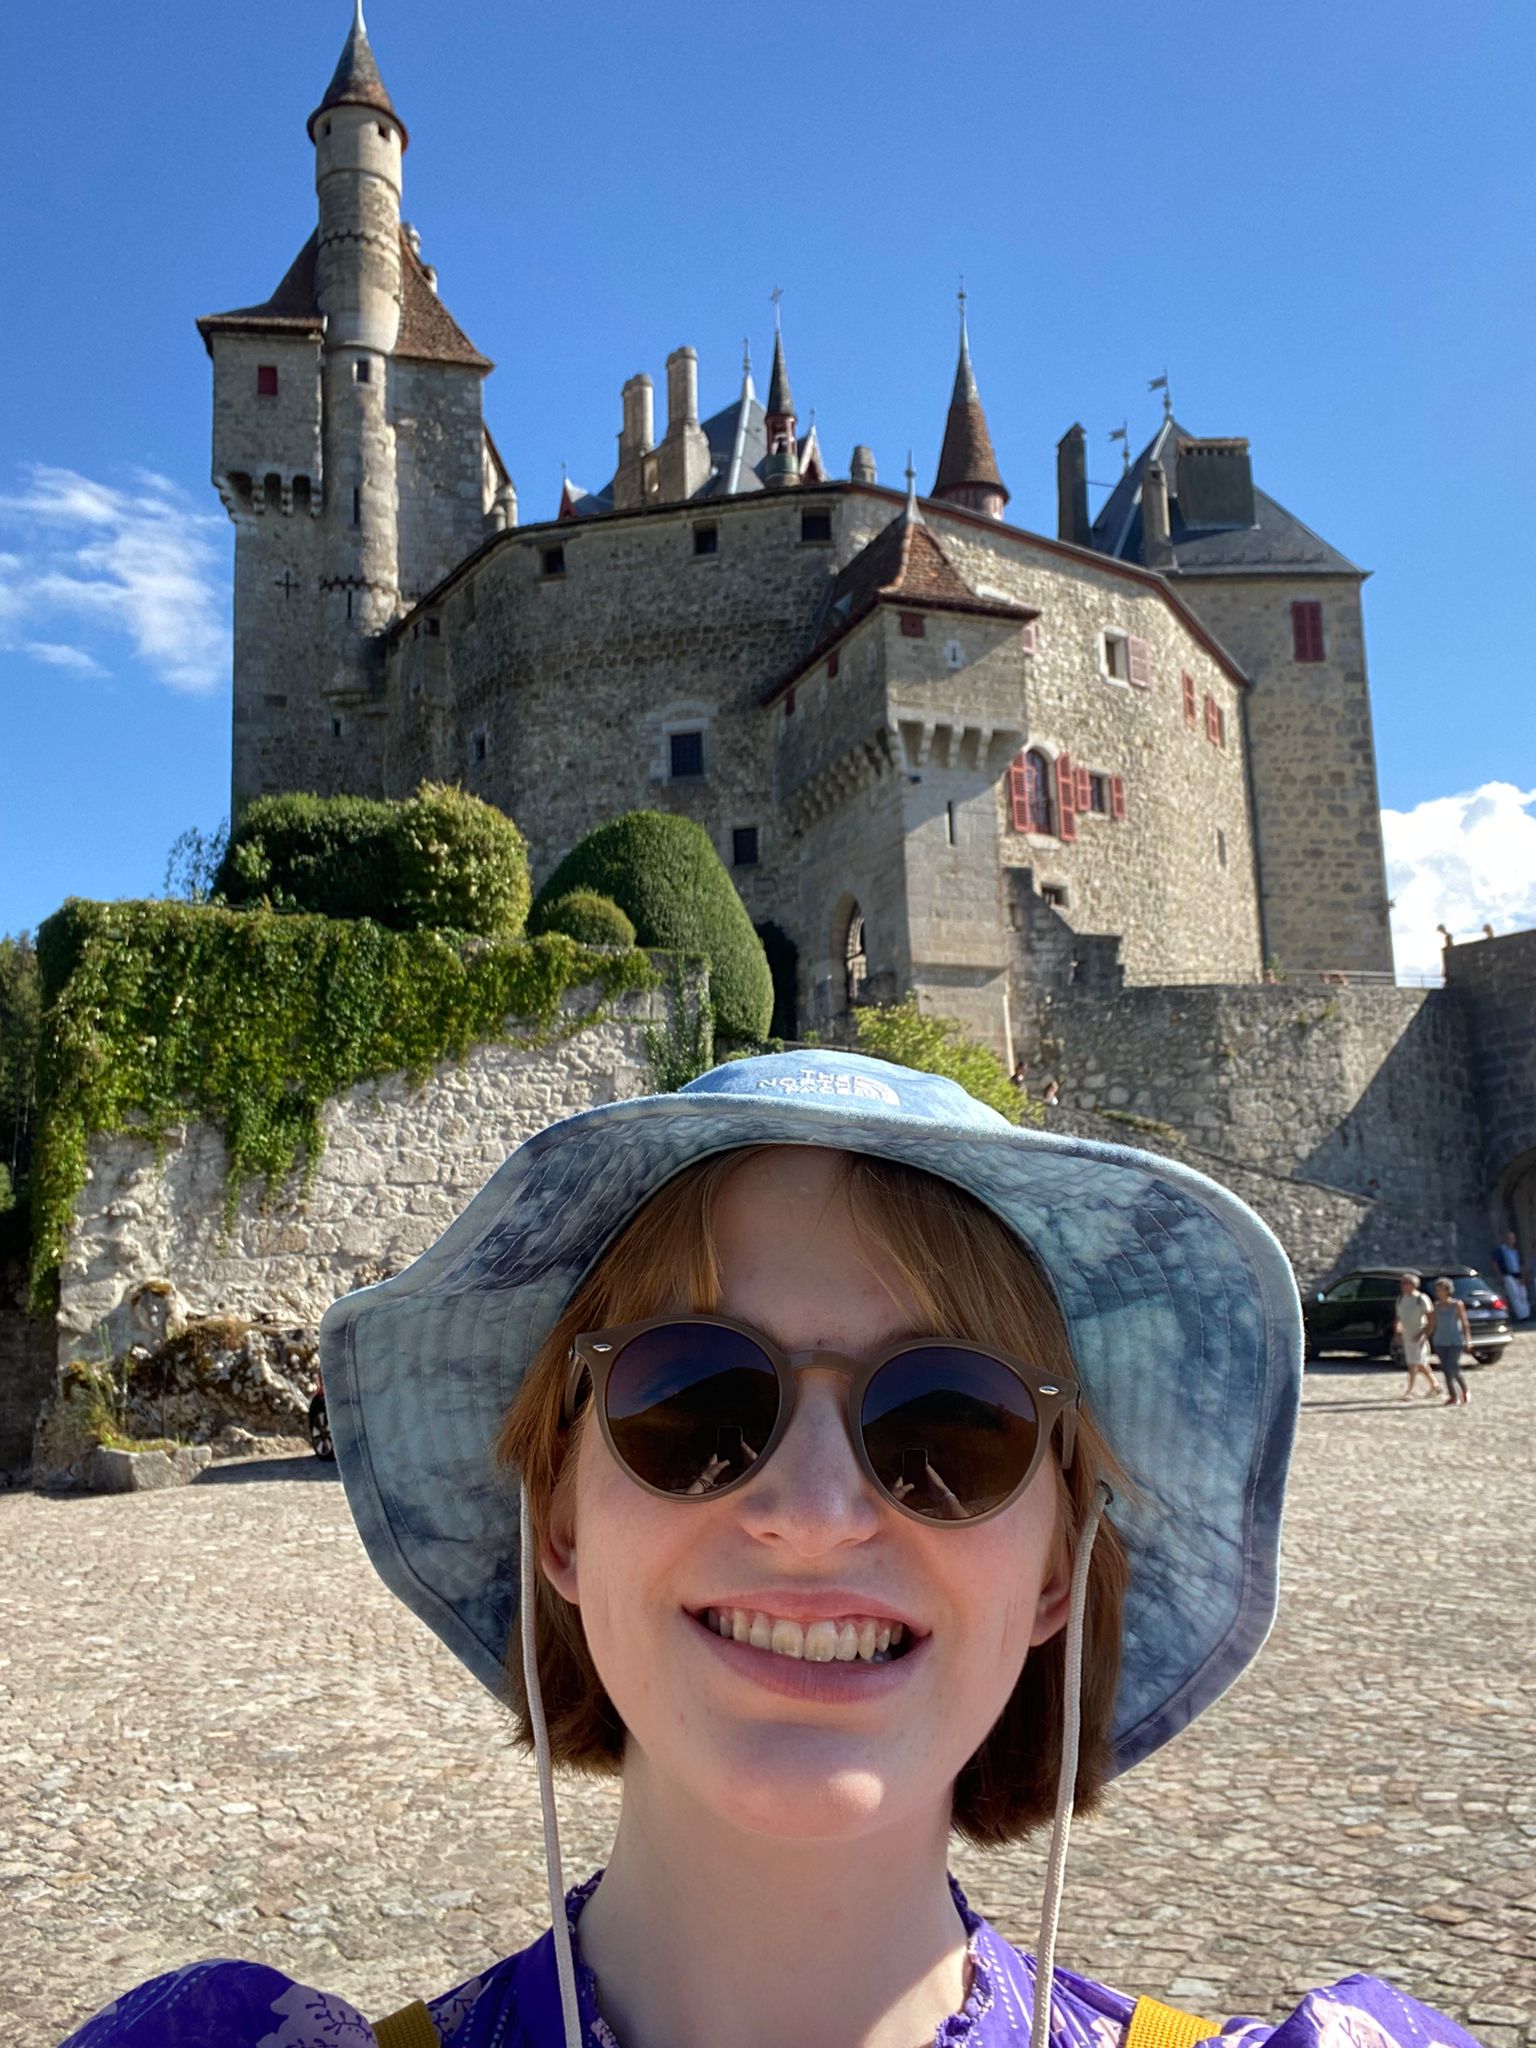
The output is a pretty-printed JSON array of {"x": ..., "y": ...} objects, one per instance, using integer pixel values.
[{"x": 812, "y": 1495}]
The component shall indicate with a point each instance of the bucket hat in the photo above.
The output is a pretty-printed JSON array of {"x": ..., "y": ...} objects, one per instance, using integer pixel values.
[{"x": 1179, "y": 1304}]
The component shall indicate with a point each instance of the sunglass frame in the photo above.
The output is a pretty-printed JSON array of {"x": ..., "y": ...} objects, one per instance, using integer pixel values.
[{"x": 1056, "y": 1397}]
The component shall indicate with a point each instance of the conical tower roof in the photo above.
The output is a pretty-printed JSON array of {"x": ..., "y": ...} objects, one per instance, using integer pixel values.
[
  {"x": 356, "y": 82},
  {"x": 966, "y": 457},
  {"x": 780, "y": 398}
]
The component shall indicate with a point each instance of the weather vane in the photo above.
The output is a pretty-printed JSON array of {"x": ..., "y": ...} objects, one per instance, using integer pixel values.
[
  {"x": 775, "y": 295},
  {"x": 1122, "y": 434},
  {"x": 1161, "y": 384}
]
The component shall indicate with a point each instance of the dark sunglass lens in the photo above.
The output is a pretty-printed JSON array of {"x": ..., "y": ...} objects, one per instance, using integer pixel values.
[
  {"x": 950, "y": 1432},
  {"x": 691, "y": 1406}
]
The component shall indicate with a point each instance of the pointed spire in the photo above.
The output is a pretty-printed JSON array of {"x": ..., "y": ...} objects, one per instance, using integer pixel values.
[
  {"x": 781, "y": 404},
  {"x": 356, "y": 81},
  {"x": 968, "y": 473},
  {"x": 912, "y": 514},
  {"x": 781, "y": 465}
]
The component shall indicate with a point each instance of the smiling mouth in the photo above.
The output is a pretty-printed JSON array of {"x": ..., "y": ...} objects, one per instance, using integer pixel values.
[{"x": 852, "y": 1639}]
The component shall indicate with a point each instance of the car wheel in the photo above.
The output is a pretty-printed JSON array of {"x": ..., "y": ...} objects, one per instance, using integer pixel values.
[
  {"x": 320, "y": 1432},
  {"x": 1489, "y": 1357}
]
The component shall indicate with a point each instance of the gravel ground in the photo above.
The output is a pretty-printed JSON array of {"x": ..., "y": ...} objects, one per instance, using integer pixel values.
[{"x": 221, "y": 1736}]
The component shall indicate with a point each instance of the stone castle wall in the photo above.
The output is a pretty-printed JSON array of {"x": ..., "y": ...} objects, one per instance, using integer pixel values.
[
  {"x": 1313, "y": 754},
  {"x": 1496, "y": 978},
  {"x": 1369, "y": 1091},
  {"x": 399, "y": 1164}
]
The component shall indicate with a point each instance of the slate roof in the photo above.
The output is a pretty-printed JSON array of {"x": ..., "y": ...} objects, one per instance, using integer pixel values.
[
  {"x": 428, "y": 331},
  {"x": 356, "y": 82},
  {"x": 967, "y": 456},
  {"x": 1277, "y": 541},
  {"x": 738, "y": 444}
]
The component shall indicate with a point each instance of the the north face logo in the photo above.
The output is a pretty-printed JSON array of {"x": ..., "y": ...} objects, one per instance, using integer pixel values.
[{"x": 809, "y": 1081}]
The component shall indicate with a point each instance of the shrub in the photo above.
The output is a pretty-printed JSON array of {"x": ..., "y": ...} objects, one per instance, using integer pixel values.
[
  {"x": 665, "y": 874},
  {"x": 590, "y": 919},
  {"x": 442, "y": 860},
  {"x": 936, "y": 1045}
]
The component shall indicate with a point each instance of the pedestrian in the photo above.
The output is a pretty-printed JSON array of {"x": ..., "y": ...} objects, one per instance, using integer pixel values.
[
  {"x": 1050, "y": 1095},
  {"x": 1411, "y": 1320},
  {"x": 1452, "y": 1338},
  {"x": 839, "y": 1466},
  {"x": 1017, "y": 1076},
  {"x": 1512, "y": 1266}
]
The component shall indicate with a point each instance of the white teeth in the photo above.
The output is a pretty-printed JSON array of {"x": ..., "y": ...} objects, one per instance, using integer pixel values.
[{"x": 860, "y": 1638}]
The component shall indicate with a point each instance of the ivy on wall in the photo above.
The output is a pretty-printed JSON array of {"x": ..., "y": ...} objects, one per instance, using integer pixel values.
[{"x": 250, "y": 1020}]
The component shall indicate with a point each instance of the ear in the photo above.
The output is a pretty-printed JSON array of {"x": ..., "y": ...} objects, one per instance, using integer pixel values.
[
  {"x": 557, "y": 1561},
  {"x": 1051, "y": 1607}
]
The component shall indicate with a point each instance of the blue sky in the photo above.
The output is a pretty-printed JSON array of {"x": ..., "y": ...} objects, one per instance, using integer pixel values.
[{"x": 1317, "y": 218}]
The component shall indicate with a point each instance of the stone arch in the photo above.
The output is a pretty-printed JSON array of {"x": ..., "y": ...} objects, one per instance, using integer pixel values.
[
  {"x": 1515, "y": 1200},
  {"x": 851, "y": 951}
]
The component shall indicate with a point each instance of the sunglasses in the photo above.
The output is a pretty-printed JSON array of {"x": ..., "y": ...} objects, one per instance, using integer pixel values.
[{"x": 694, "y": 1405}]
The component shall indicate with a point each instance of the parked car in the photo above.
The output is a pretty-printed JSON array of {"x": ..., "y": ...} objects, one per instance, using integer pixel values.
[
  {"x": 1355, "y": 1313},
  {"x": 320, "y": 1425}
]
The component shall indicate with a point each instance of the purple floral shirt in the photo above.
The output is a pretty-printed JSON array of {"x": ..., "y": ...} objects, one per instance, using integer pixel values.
[{"x": 516, "y": 2004}]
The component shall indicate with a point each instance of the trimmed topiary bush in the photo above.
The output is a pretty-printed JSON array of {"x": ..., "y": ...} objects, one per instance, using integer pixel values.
[
  {"x": 440, "y": 861},
  {"x": 589, "y": 919},
  {"x": 664, "y": 872}
]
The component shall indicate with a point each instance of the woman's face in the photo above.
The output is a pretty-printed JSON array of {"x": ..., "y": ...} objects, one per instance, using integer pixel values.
[{"x": 757, "y": 1740}]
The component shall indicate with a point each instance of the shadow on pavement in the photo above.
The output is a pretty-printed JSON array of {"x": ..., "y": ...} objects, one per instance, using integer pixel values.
[{"x": 255, "y": 1471}]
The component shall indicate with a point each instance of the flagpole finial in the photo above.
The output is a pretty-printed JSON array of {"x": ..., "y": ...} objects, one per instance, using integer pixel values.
[
  {"x": 358, "y": 22},
  {"x": 776, "y": 295},
  {"x": 912, "y": 511}
]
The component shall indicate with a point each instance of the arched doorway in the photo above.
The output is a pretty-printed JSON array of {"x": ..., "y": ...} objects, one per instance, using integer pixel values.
[
  {"x": 855, "y": 959},
  {"x": 1516, "y": 1203}
]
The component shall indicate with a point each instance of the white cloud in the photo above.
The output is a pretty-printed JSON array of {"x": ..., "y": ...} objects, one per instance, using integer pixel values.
[
  {"x": 56, "y": 655},
  {"x": 1463, "y": 862},
  {"x": 141, "y": 562}
]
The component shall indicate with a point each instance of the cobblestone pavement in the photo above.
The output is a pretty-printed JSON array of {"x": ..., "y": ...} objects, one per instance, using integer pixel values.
[{"x": 221, "y": 1736}]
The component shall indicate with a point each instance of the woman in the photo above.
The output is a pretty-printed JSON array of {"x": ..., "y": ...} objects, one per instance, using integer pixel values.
[
  {"x": 817, "y": 1378},
  {"x": 1452, "y": 1339}
]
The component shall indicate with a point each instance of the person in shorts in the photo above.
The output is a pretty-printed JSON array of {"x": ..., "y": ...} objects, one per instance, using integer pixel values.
[
  {"x": 1411, "y": 1322},
  {"x": 840, "y": 1467}
]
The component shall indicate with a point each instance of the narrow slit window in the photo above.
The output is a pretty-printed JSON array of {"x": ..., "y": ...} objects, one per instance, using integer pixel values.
[
  {"x": 362, "y": 370},
  {"x": 357, "y": 508},
  {"x": 266, "y": 380}
]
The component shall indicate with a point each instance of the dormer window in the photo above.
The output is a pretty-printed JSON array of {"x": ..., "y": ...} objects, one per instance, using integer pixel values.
[{"x": 266, "y": 380}]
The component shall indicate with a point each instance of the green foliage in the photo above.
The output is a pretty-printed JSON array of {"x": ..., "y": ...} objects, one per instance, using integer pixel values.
[
  {"x": 154, "y": 1012},
  {"x": 193, "y": 863},
  {"x": 589, "y": 919},
  {"x": 936, "y": 1045},
  {"x": 442, "y": 860},
  {"x": 665, "y": 874},
  {"x": 20, "y": 1025},
  {"x": 685, "y": 1047}
]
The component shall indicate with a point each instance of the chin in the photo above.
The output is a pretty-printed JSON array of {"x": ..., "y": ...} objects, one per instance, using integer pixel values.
[{"x": 788, "y": 1792}]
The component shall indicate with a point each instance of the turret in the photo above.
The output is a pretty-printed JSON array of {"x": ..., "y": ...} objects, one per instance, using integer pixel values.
[
  {"x": 781, "y": 465},
  {"x": 968, "y": 473}
]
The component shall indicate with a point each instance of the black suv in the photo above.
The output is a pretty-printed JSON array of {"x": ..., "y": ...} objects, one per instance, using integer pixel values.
[{"x": 1356, "y": 1313}]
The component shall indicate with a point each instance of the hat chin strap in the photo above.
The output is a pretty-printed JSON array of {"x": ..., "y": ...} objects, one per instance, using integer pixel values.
[
  {"x": 565, "y": 1964},
  {"x": 1066, "y": 1776},
  {"x": 1066, "y": 1780}
]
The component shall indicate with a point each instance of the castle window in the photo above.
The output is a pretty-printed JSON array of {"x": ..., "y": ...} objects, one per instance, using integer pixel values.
[
  {"x": 1189, "y": 698},
  {"x": 349, "y": 604},
  {"x": 913, "y": 625},
  {"x": 1054, "y": 895},
  {"x": 552, "y": 561},
  {"x": 832, "y": 664},
  {"x": 1029, "y": 793},
  {"x": 357, "y": 507},
  {"x": 335, "y": 728},
  {"x": 706, "y": 540},
  {"x": 855, "y": 958},
  {"x": 1307, "y": 631},
  {"x": 744, "y": 847},
  {"x": 950, "y": 824},
  {"x": 477, "y": 747},
  {"x": 383, "y": 132},
  {"x": 1221, "y": 848},
  {"x": 1117, "y": 658},
  {"x": 433, "y": 628},
  {"x": 687, "y": 756},
  {"x": 266, "y": 380},
  {"x": 1098, "y": 796},
  {"x": 815, "y": 528},
  {"x": 789, "y": 703},
  {"x": 362, "y": 370},
  {"x": 1215, "y": 722},
  {"x": 326, "y": 129}
]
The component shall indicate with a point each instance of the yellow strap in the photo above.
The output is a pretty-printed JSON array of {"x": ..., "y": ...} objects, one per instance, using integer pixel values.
[
  {"x": 1155, "y": 2025},
  {"x": 410, "y": 2027}
]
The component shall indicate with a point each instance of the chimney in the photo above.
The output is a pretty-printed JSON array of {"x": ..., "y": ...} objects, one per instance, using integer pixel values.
[
  {"x": 638, "y": 432},
  {"x": 862, "y": 468},
  {"x": 1156, "y": 541},
  {"x": 1072, "y": 487},
  {"x": 682, "y": 389}
]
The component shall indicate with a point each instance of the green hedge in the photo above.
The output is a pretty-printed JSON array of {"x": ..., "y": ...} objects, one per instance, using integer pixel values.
[
  {"x": 936, "y": 1045},
  {"x": 441, "y": 860},
  {"x": 155, "y": 1012},
  {"x": 590, "y": 919},
  {"x": 665, "y": 874}
]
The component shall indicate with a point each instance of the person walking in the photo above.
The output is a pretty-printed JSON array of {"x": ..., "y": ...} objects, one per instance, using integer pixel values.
[
  {"x": 1451, "y": 1337},
  {"x": 1512, "y": 1267},
  {"x": 1411, "y": 1324}
]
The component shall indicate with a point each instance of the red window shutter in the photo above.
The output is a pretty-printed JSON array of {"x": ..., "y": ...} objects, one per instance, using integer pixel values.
[
  {"x": 1084, "y": 791},
  {"x": 1141, "y": 663},
  {"x": 1307, "y": 630},
  {"x": 266, "y": 380},
  {"x": 912, "y": 626},
  {"x": 1018, "y": 796},
  {"x": 1117, "y": 796},
  {"x": 1221, "y": 727},
  {"x": 1066, "y": 798},
  {"x": 1028, "y": 639},
  {"x": 1189, "y": 699}
]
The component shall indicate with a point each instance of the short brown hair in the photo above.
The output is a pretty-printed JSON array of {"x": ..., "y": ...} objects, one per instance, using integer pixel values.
[{"x": 969, "y": 1276}]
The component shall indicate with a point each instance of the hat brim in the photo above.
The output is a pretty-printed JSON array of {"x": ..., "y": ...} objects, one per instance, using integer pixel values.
[{"x": 1180, "y": 1306}]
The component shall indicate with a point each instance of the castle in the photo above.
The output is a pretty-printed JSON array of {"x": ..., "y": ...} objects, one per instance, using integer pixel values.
[{"x": 938, "y": 753}]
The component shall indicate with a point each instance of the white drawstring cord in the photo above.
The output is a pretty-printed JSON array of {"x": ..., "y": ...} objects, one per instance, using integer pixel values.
[
  {"x": 1066, "y": 1779},
  {"x": 565, "y": 1965}
]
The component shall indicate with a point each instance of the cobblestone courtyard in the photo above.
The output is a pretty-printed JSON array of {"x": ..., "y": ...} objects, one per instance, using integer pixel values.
[{"x": 221, "y": 1736}]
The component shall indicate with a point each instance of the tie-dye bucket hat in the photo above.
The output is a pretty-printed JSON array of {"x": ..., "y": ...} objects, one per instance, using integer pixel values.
[{"x": 1181, "y": 1308}]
